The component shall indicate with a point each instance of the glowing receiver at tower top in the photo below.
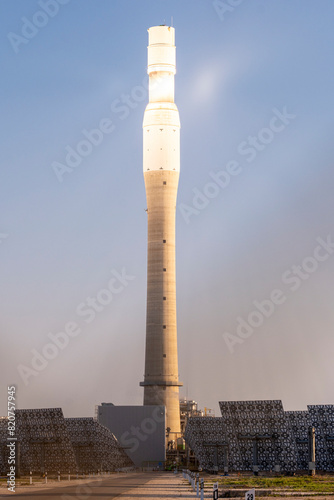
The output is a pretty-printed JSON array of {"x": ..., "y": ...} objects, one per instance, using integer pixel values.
[
  {"x": 161, "y": 146},
  {"x": 161, "y": 163}
]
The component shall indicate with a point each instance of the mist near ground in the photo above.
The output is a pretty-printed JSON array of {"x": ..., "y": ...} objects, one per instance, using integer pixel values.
[{"x": 254, "y": 253}]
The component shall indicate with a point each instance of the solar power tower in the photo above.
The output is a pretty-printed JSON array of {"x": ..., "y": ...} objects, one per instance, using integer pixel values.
[{"x": 161, "y": 163}]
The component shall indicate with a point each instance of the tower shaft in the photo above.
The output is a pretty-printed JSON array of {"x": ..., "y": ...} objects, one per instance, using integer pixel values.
[{"x": 161, "y": 162}]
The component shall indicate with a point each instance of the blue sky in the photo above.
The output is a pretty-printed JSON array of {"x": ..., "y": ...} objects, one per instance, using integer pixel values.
[{"x": 60, "y": 241}]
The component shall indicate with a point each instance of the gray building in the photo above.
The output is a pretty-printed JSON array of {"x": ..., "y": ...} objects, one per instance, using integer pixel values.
[{"x": 140, "y": 430}]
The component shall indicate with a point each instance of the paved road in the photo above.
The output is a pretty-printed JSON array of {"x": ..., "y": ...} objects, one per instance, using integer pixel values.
[{"x": 105, "y": 488}]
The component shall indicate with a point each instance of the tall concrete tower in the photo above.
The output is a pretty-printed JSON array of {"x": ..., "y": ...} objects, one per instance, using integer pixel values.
[{"x": 161, "y": 141}]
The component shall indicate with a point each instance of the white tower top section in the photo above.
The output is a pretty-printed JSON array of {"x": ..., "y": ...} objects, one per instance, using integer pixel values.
[
  {"x": 161, "y": 49},
  {"x": 161, "y": 119}
]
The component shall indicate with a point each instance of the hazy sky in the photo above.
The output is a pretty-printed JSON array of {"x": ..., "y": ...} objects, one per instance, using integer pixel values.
[{"x": 254, "y": 88}]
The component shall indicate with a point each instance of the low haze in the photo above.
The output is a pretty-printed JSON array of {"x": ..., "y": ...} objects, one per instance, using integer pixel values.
[{"x": 254, "y": 88}]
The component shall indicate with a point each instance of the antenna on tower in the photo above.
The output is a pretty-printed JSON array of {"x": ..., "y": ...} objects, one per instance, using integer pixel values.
[{"x": 171, "y": 21}]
